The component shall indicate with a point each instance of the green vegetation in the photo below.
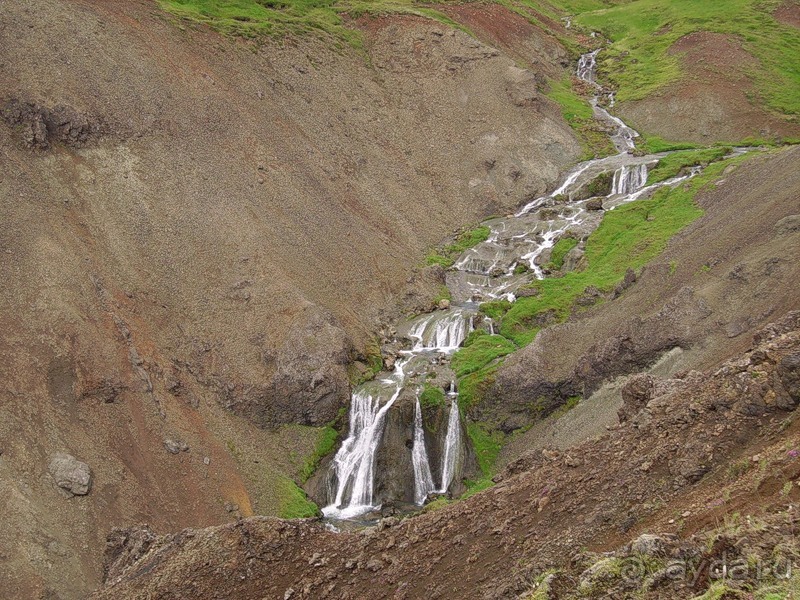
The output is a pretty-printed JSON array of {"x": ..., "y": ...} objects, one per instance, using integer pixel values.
[
  {"x": 487, "y": 445},
  {"x": 431, "y": 397},
  {"x": 482, "y": 350},
  {"x": 258, "y": 18},
  {"x": 655, "y": 144},
  {"x": 578, "y": 113},
  {"x": 559, "y": 251},
  {"x": 447, "y": 255},
  {"x": 444, "y": 294},
  {"x": 294, "y": 504},
  {"x": 638, "y": 63},
  {"x": 628, "y": 237},
  {"x": 672, "y": 164},
  {"x": 325, "y": 445}
]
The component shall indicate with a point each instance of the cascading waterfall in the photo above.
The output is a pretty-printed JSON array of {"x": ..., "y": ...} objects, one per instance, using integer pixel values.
[
  {"x": 587, "y": 65},
  {"x": 442, "y": 333},
  {"x": 629, "y": 179},
  {"x": 487, "y": 271},
  {"x": 354, "y": 463},
  {"x": 423, "y": 480},
  {"x": 452, "y": 446}
]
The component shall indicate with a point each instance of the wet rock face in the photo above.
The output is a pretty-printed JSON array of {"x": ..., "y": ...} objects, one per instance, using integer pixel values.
[
  {"x": 41, "y": 127},
  {"x": 70, "y": 474},
  {"x": 394, "y": 480},
  {"x": 309, "y": 383}
]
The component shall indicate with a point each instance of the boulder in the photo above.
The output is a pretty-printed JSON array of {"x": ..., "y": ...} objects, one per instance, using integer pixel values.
[
  {"x": 595, "y": 204},
  {"x": 636, "y": 393},
  {"x": 70, "y": 474}
]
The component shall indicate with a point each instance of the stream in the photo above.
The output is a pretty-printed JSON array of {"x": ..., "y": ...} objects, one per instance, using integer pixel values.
[{"x": 513, "y": 256}]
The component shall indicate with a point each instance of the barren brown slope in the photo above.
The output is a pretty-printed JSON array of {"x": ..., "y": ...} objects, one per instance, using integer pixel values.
[
  {"x": 715, "y": 99},
  {"x": 191, "y": 224},
  {"x": 672, "y": 455}
]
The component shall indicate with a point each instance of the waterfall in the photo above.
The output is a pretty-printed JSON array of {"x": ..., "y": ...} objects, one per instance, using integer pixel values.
[
  {"x": 442, "y": 333},
  {"x": 629, "y": 179},
  {"x": 452, "y": 447},
  {"x": 354, "y": 463},
  {"x": 486, "y": 271},
  {"x": 587, "y": 66},
  {"x": 423, "y": 481}
]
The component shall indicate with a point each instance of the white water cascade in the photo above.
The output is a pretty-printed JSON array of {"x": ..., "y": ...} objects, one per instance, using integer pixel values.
[
  {"x": 452, "y": 446},
  {"x": 443, "y": 332},
  {"x": 423, "y": 480},
  {"x": 490, "y": 270},
  {"x": 629, "y": 179},
  {"x": 354, "y": 463}
]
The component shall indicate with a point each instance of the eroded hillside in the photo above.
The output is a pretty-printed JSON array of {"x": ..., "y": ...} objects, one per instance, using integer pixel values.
[{"x": 200, "y": 235}]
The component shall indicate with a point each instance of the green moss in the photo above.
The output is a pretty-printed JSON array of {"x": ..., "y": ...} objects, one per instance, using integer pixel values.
[
  {"x": 487, "y": 445},
  {"x": 294, "y": 504},
  {"x": 482, "y": 350},
  {"x": 325, "y": 445},
  {"x": 571, "y": 403},
  {"x": 431, "y": 397},
  {"x": 672, "y": 164},
  {"x": 495, "y": 309},
  {"x": 559, "y": 251},
  {"x": 655, "y": 144},
  {"x": 444, "y": 294},
  {"x": 472, "y": 387},
  {"x": 447, "y": 255}
]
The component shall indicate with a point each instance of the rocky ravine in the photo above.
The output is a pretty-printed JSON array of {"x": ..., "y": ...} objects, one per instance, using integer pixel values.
[
  {"x": 670, "y": 455},
  {"x": 200, "y": 234}
]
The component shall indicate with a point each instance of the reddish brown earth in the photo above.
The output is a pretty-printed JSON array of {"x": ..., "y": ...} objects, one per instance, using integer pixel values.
[
  {"x": 713, "y": 101},
  {"x": 788, "y": 13},
  {"x": 199, "y": 233}
]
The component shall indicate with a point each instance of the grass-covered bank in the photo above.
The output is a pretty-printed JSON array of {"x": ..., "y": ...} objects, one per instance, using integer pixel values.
[{"x": 257, "y": 18}]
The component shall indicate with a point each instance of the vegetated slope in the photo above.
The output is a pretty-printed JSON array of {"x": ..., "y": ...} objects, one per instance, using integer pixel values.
[
  {"x": 674, "y": 465},
  {"x": 700, "y": 71},
  {"x": 199, "y": 234}
]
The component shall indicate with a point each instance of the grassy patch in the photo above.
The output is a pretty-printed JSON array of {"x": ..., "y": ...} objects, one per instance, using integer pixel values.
[
  {"x": 654, "y": 145},
  {"x": 259, "y": 18},
  {"x": 672, "y": 164},
  {"x": 482, "y": 350},
  {"x": 559, "y": 251},
  {"x": 578, "y": 113},
  {"x": 325, "y": 445},
  {"x": 447, "y": 255},
  {"x": 487, "y": 445},
  {"x": 472, "y": 387},
  {"x": 431, "y": 397},
  {"x": 294, "y": 504},
  {"x": 571, "y": 403},
  {"x": 638, "y": 63}
]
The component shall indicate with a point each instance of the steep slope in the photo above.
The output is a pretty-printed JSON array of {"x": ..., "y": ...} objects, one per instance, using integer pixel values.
[{"x": 200, "y": 233}]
